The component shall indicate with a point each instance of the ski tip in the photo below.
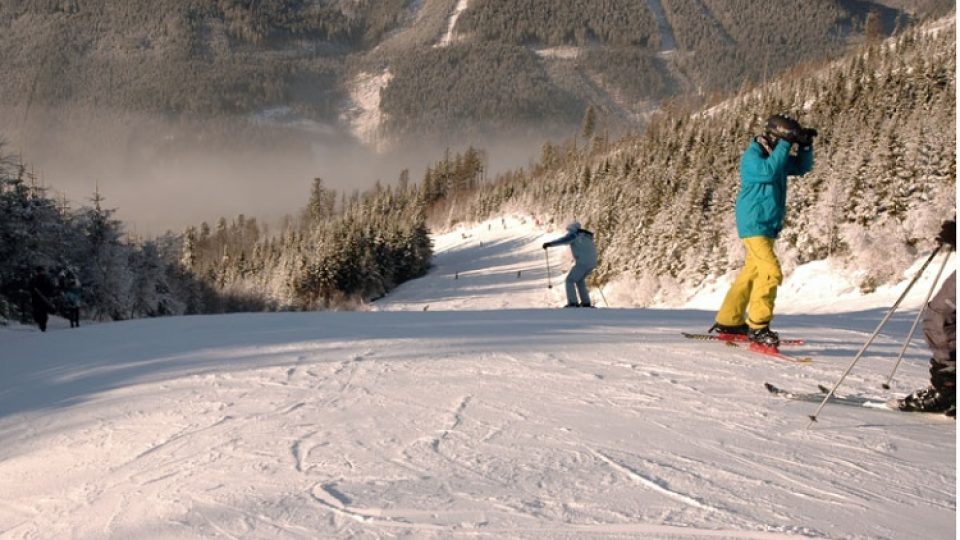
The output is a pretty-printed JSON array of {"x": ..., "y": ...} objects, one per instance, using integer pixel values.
[{"x": 765, "y": 349}]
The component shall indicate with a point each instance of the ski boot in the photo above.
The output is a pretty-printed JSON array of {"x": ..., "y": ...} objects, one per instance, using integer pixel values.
[
  {"x": 927, "y": 400},
  {"x": 764, "y": 339},
  {"x": 729, "y": 333}
]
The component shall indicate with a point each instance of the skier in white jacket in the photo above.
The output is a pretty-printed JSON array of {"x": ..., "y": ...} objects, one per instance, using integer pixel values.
[{"x": 585, "y": 260}]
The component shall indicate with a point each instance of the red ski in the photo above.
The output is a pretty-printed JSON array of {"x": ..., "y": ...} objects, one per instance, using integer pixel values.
[
  {"x": 739, "y": 338},
  {"x": 753, "y": 347}
]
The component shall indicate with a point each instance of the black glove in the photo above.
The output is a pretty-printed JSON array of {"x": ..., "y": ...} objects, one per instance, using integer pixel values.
[
  {"x": 805, "y": 137},
  {"x": 768, "y": 142},
  {"x": 546, "y": 245},
  {"x": 948, "y": 234}
]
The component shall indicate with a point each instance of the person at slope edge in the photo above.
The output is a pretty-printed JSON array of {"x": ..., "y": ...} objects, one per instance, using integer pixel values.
[
  {"x": 585, "y": 260},
  {"x": 784, "y": 149},
  {"x": 72, "y": 296},
  {"x": 41, "y": 293},
  {"x": 940, "y": 331}
]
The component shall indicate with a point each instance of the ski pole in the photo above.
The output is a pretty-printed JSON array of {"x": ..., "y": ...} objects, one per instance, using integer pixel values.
[
  {"x": 547, "y": 255},
  {"x": 599, "y": 289},
  {"x": 603, "y": 296},
  {"x": 916, "y": 322},
  {"x": 813, "y": 417}
]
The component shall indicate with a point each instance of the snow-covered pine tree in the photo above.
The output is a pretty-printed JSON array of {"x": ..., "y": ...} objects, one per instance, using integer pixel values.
[{"x": 104, "y": 271}]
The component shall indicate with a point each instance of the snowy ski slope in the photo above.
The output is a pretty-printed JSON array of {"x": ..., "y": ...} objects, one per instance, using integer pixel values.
[{"x": 461, "y": 407}]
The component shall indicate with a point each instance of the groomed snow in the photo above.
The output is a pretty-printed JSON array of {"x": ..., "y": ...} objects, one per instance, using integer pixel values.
[{"x": 461, "y": 406}]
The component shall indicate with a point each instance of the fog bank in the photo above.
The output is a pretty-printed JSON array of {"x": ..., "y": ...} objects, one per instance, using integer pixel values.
[{"x": 165, "y": 174}]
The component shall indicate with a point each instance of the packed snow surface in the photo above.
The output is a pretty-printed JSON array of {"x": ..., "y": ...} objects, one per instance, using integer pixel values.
[{"x": 464, "y": 406}]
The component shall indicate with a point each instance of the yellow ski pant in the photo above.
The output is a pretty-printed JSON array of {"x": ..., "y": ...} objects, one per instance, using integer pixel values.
[{"x": 755, "y": 289}]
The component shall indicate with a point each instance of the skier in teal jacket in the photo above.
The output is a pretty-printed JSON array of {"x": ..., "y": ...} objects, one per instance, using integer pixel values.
[
  {"x": 761, "y": 206},
  {"x": 762, "y": 203}
]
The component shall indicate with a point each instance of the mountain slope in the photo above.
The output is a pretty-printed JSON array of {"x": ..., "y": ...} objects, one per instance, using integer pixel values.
[
  {"x": 520, "y": 423},
  {"x": 229, "y": 58}
]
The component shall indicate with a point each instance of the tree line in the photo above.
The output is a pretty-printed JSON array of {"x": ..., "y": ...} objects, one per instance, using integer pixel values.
[
  {"x": 341, "y": 251},
  {"x": 120, "y": 278}
]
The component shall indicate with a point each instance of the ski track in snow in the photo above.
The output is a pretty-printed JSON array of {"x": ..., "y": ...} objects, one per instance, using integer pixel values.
[
  {"x": 653, "y": 483},
  {"x": 485, "y": 416}
]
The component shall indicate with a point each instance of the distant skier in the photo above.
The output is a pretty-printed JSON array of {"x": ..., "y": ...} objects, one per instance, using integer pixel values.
[
  {"x": 585, "y": 260},
  {"x": 72, "y": 294},
  {"x": 761, "y": 207},
  {"x": 940, "y": 331},
  {"x": 41, "y": 293}
]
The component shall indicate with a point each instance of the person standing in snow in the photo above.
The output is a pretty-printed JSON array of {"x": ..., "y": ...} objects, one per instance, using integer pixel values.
[
  {"x": 41, "y": 292},
  {"x": 585, "y": 260},
  {"x": 940, "y": 331},
  {"x": 72, "y": 294},
  {"x": 784, "y": 149}
]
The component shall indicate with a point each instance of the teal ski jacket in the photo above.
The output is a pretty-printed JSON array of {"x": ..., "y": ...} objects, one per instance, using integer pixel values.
[{"x": 762, "y": 202}]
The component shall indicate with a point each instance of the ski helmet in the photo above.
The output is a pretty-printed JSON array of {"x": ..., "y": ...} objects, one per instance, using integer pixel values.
[
  {"x": 573, "y": 226},
  {"x": 782, "y": 127}
]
